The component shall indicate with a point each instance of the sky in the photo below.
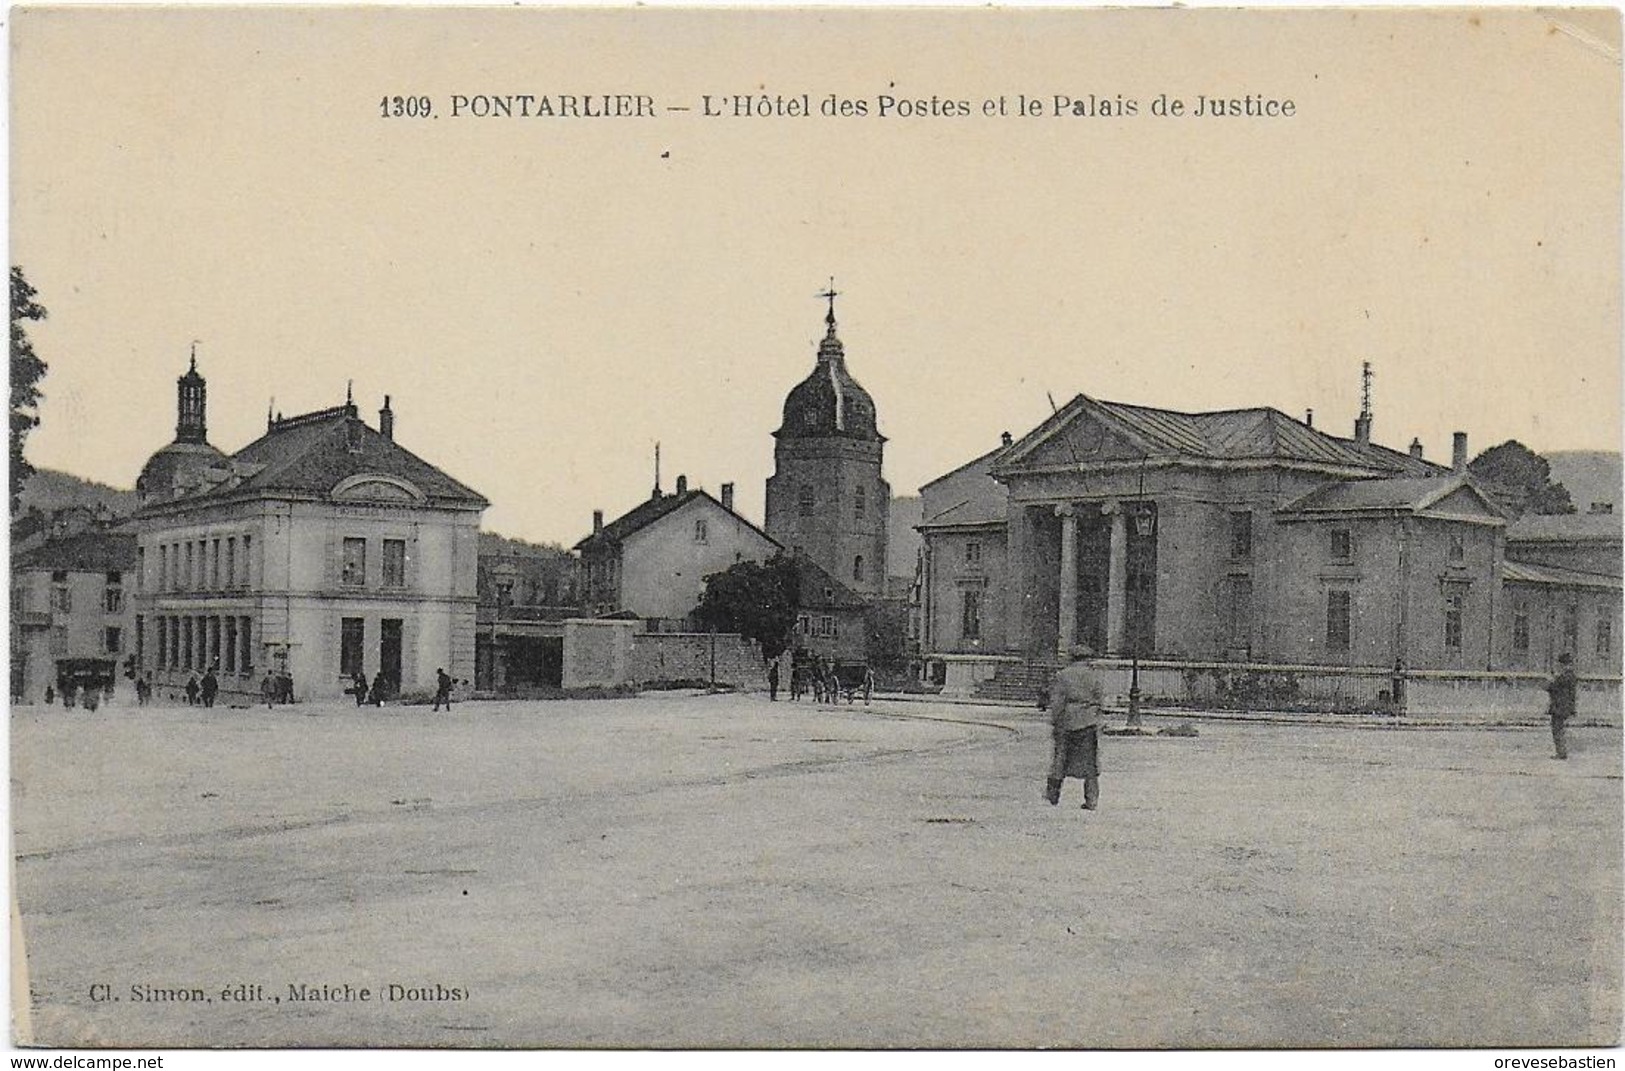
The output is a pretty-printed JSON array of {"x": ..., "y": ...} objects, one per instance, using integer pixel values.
[{"x": 546, "y": 298}]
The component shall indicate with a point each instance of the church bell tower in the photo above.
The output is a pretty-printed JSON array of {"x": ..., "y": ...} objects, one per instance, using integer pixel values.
[{"x": 826, "y": 498}]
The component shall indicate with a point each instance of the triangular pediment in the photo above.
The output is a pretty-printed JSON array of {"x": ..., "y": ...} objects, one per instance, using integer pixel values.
[
  {"x": 1464, "y": 501},
  {"x": 1081, "y": 434}
]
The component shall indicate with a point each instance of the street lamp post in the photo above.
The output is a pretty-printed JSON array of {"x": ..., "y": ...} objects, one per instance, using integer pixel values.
[{"x": 1145, "y": 525}]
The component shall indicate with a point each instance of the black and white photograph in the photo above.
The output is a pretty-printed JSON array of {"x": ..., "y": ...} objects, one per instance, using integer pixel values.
[{"x": 815, "y": 528}]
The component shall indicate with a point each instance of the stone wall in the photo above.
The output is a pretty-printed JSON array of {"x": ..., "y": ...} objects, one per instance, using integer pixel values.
[{"x": 687, "y": 656}]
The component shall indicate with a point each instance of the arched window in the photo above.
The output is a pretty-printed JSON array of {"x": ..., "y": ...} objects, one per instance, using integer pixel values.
[
  {"x": 862, "y": 501},
  {"x": 857, "y": 567},
  {"x": 804, "y": 501}
]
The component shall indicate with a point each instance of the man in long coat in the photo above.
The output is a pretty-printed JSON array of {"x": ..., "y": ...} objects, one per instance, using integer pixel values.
[
  {"x": 1563, "y": 691},
  {"x": 1075, "y": 710}
]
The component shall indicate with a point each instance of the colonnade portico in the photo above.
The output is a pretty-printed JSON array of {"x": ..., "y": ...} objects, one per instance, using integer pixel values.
[{"x": 1116, "y": 630}]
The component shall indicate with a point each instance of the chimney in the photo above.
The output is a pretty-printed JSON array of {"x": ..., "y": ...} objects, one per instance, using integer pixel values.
[
  {"x": 597, "y": 521},
  {"x": 386, "y": 421},
  {"x": 682, "y": 485},
  {"x": 728, "y": 497},
  {"x": 1416, "y": 449},
  {"x": 1458, "y": 452},
  {"x": 1362, "y": 429},
  {"x": 1005, "y": 439},
  {"x": 1309, "y": 418}
]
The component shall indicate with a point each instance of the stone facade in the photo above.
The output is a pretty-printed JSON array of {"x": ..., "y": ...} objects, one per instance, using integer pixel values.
[
  {"x": 1241, "y": 537},
  {"x": 319, "y": 550},
  {"x": 71, "y": 610},
  {"x": 827, "y": 499}
]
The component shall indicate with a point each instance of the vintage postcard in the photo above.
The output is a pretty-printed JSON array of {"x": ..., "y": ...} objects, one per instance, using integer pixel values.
[{"x": 815, "y": 528}]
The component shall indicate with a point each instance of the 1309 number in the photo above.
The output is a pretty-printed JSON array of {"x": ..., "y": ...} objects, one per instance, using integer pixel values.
[{"x": 405, "y": 108}]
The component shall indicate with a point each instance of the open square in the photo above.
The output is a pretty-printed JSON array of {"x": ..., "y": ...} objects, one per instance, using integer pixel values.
[{"x": 715, "y": 870}]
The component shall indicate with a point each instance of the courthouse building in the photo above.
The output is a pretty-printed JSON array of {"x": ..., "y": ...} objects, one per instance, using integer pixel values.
[
  {"x": 1243, "y": 536},
  {"x": 322, "y": 549}
]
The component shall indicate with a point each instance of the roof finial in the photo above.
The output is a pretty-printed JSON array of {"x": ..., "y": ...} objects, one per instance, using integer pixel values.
[
  {"x": 195, "y": 341},
  {"x": 831, "y": 294},
  {"x": 1365, "y": 388},
  {"x": 657, "y": 469},
  {"x": 349, "y": 398},
  {"x": 270, "y": 413}
]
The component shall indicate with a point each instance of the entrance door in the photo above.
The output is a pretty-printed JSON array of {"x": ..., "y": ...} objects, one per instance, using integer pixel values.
[{"x": 389, "y": 652}]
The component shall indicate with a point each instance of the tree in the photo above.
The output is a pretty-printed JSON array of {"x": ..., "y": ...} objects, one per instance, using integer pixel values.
[
  {"x": 26, "y": 372},
  {"x": 1521, "y": 479},
  {"x": 758, "y": 601}
]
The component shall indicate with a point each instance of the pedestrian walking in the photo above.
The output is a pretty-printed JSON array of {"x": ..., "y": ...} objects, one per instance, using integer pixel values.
[
  {"x": 268, "y": 690},
  {"x": 50, "y": 695},
  {"x": 192, "y": 689},
  {"x": 1562, "y": 691},
  {"x": 358, "y": 688},
  {"x": 773, "y": 681},
  {"x": 442, "y": 690},
  {"x": 379, "y": 684},
  {"x": 1076, "y": 714},
  {"x": 868, "y": 684},
  {"x": 210, "y": 688}
]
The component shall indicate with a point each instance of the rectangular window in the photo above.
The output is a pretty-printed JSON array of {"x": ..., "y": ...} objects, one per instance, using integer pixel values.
[
  {"x": 213, "y": 660},
  {"x": 1453, "y": 606},
  {"x": 804, "y": 624},
  {"x": 1241, "y": 611},
  {"x": 188, "y": 644},
  {"x": 140, "y": 640},
  {"x": 1571, "y": 628},
  {"x": 214, "y": 564},
  {"x": 62, "y": 599},
  {"x": 1458, "y": 548},
  {"x": 861, "y": 501},
  {"x": 1342, "y": 545},
  {"x": 354, "y": 573},
  {"x": 1605, "y": 635},
  {"x": 231, "y": 644},
  {"x": 1520, "y": 627},
  {"x": 248, "y": 563},
  {"x": 174, "y": 643},
  {"x": 970, "y": 616},
  {"x": 701, "y": 530},
  {"x": 352, "y": 636},
  {"x": 1241, "y": 535},
  {"x": 163, "y": 567},
  {"x": 60, "y": 576},
  {"x": 141, "y": 568},
  {"x": 1337, "y": 621},
  {"x": 394, "y": 563},
  {"x": 187, "y": 580},
  {"x": 804, "y": 502},
  {"x": 163, "y": 642},
  {"x": 230, "y": 568},
  {"x": 973, "y": 553},
  {"x": 244, "y": 634},
  {"x": 113, "y": 600},
  {"x": 114, "y": 640}
]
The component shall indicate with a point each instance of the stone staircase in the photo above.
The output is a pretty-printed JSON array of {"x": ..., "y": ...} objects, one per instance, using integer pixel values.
[{"x": 1017, "y": 682}]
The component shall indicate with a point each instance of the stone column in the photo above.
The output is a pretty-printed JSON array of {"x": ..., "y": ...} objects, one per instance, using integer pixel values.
[
  {"x": 1068, "y": 632},
  {"x": 1117, "y": 581}
]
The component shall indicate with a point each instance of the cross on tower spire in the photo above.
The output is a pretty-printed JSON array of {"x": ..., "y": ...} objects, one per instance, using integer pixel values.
[{"x": 831, "y": 294}]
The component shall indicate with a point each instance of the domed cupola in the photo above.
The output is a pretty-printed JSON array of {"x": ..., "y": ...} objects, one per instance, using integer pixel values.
[
  {"x": 182, "y": 461},
  {"x": 829, "y": 401}
]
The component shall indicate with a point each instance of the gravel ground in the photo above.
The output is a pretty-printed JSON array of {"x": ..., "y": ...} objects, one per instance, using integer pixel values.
[{"x": 699, "y": 871}]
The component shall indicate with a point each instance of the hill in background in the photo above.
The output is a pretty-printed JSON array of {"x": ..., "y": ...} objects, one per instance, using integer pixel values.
[{"x": 49, "y": 490}]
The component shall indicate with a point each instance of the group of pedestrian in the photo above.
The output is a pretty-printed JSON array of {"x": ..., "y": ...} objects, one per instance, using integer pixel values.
[
  {"x": 276, "y": 687},
  {"x": 200, "y": 691}
]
